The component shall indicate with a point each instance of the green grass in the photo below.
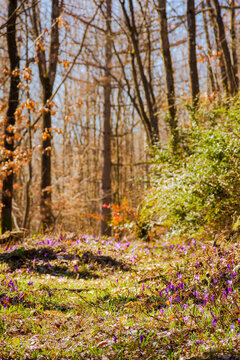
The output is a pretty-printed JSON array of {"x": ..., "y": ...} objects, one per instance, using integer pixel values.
[{"x": 95, "y": 298}]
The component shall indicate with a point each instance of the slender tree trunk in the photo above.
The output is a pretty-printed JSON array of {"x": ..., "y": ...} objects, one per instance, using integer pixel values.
[
  {"x": 234, "y": 41},
  {"x": 192, "y": 57},
  {"x": 118, "y": 147},
  {"x": 47, "y": 73},
  {"x": 7, "y": 189},
  {"x": 226, "y": 53},
  {"x": 30, "y": 172},
  {"x": 46, "y": 191},
  {"x": 149, "y": 115},
  {"x": 209, "y": 51},
  {"x": 224, "y": 78},
  {"x": 168, "y": 74},
  {"x": 29, "y": 123},
  {"x": 106, "y": 170}
]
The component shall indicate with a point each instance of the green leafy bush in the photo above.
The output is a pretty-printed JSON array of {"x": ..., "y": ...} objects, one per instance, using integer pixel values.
[{"x": 199, "y": 188}]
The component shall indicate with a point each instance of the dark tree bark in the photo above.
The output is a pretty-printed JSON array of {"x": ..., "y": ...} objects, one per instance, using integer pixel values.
[
  {"x": 7, "y": 189},
  {"x": 192, "y": 57},
  {"x": 168, "y": 74},
  {"x": 143, "y": 85},
  {"x": 29, "y": 124},
  {"x": 223, "y": 70},
  {"x": 226, "y": 53},
  {"x": 47, "y": 73},
  {"x": 233, "y": 41},
  {"x": 106, "y": 170},
  {"x": 209, "y": 51}
]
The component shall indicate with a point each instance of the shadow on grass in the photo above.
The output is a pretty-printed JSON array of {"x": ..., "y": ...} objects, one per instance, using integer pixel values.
[
  {"x": 40, "y": 261},
  {"x": 47, "y": 294},
  {"x": 103, "y": 261}
]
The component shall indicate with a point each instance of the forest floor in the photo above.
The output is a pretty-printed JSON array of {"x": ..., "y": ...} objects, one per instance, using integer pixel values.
[{"x": 84, "y": 297}]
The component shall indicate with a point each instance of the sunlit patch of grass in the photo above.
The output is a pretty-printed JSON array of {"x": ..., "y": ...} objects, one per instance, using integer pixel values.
[{"x": 165, "y": 301}]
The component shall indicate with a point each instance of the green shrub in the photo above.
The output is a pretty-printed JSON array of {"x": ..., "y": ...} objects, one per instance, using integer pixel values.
[{"x": 200, "y": 188}]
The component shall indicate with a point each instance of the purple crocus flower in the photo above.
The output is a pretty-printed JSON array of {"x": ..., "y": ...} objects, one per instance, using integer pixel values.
[
  {"x": 214, "y": 322},
  {"x": 181, "y": 285},
  {"x": 205, "y": 299},
  {"x": 197, "y": 295},
  {"x": 171, "y": 287},
  {"x": 141, "y": 338}
]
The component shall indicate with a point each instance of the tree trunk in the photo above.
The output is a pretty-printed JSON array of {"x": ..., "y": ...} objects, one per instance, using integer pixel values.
[
  {"x": 209, "y": 51},
  {"x": 29, "y": 124},
  {"x": 46, "y": 191},
  {"x": 226, "y": 53},
  {"x": 192, "y": 57},
  {"x": 47, "y": 73},
  {"x": 7, "y": 189},
  {"x": 218, "y": 46},
  {"x": 233, "y": 41},
  {"x": 106, "y": 170},
  {"x": 149, "y": 115},
  {"x": 168, "y": 74},
  {"x": 223, "y": 70}
]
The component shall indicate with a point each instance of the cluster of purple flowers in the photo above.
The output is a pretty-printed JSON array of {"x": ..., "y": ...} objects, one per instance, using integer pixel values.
[{"x": 12, "y": 292}]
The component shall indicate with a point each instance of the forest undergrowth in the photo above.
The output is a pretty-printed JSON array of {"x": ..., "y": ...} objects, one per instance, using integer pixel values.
[{"x": 86, "y": 297}]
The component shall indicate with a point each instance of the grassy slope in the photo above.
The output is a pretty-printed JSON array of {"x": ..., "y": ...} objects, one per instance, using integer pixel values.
[{"x": 92, "y": 298}]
